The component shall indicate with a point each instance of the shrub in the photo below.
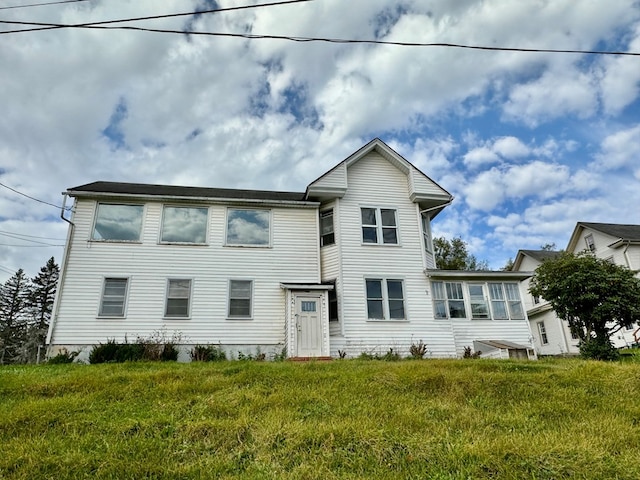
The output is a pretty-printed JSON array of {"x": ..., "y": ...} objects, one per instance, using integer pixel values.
[
  {"x": 207, "y": 353},
  {"x": 104, "y": 352},
  {"x": 64, "y": 356},
  {"x": 598, "y": 349},
  {"x": 418, "y": 350},
  {"x": 468, "y": 353}
]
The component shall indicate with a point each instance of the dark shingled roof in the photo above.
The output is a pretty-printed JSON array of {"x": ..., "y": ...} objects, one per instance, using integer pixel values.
[
  {"x": 625, "y": 232},
  {"x": 540, "y": 255},
  {"x": 176, "y": 191}
]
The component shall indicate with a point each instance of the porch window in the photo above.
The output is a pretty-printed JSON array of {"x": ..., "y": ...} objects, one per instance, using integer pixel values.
[
  {"x": 178, "y": 298},
  {"x": 448, "y": 300},
  {"x": 114, "y": 295},
  {"x": 184, "y": 225},
  {"x": 498, "y": 303},
  {"x": 516, "y": 312},
  {"x": 478, "y": 300},
  {"x": 117, "y": 222},
  {"x": 385, "y": 299},
  {"x": 379, "y": 225},
  {"x": 240, "y": 295},
  {"x": 327, "y": 236},
  {"x": 250, "y": 228}
]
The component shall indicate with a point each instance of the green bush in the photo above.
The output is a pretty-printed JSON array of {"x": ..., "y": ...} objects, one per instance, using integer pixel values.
[
  {"x": 64, "y": 356},
  {"x": 143, "y": 349},
  {"x": 598, "y": 349},
  {"x": 104, "y": 352},
  {"x": 207, "y": 353}
]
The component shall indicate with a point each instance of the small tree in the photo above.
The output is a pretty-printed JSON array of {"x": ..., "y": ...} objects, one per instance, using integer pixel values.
[
  {"x": 453, "y": 255},
  {"x": 596, "y": 297},
  {"x": 14, "y": 295}
]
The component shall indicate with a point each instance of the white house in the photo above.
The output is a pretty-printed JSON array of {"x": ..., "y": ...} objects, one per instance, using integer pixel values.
[
  {"x": 617, "y": 243},
  {"x": 343, "y": 268}
]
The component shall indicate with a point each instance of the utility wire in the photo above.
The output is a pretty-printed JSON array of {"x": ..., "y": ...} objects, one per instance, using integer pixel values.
[
  {"x": 15, "y": 237},
  {"x": 32, "y": 198},
  {"x": 102, "y": 26},
  {"x": 30, "y": 236},
  {"x": 29, "y": 246},
  {"x": 42, "y": 4},
  {"x": 51, "y": 26}
]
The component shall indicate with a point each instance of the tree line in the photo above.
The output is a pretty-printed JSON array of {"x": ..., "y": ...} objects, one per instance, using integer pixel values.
[{"x": 26, "y": 305}]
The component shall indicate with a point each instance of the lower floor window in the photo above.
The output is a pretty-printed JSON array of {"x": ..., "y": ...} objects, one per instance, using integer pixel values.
[
  {"x": 114, "y": 295},
  {"x": 240, "y": 293},
  {"x": 178, "y": 298},
  {"x": 543, "y": 333},
  {"x": 333, "y": 305},
  {"x": 385, "y": 299}
]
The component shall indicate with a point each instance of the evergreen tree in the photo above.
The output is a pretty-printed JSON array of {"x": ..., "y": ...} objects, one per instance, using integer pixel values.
[{"x": 14, "y": 302}]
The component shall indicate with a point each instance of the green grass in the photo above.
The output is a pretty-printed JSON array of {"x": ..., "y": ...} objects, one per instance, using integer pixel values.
[{"x": 441, "y": 419}]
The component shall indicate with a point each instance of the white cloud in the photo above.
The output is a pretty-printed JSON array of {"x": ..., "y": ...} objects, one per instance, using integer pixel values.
[
  {"x": 510, "y": 148},
  {"x": 620, "y": 149},
  {"x": 480, "y": 156}
]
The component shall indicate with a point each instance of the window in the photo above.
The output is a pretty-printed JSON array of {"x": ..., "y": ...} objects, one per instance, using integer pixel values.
[
  {"x": 333, "y": 305},
  {"x": 114, "y": 295},
  {"x": 240, "y": 298},
  {"x": 536, "y": 299},
  {"x": 448, "y": 300},
  {"x": 184, "y": 225},
  {"x": 178, "y": 298},
  {"x": 118, "y": 222},
  {"x": 516, "y": 311},
  {"x": 385, "y": 299},
  {"x": 248, "y": 227},
  {"x": 591, "y": 245},
  {"x": 543, "y": 333},
  {"x": 478, "y": 300},
  {"x": 379, "y": 225},
  {"x": 426, "y": 234},
  {"x": 327, "y": 236},
  {"x": 498, "y": 302}
]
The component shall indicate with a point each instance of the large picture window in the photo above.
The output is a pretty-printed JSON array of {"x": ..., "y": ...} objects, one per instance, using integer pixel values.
[
  {"x": 114, "y": 295},
  {"x": 178, "y": 298},
  {"x": 385, "y": 299},
  {"x": 118, "y": 222},
  {"x": 248, "y": 227},
  {"x": 240, "y": 293},
  {"x": 379, "y": 225},
  {"x": 184, "y": 225}
]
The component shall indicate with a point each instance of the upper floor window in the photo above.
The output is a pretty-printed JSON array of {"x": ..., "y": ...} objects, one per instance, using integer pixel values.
[
  {"x": 114, "y": 295},
  {"x": 379, "y": 225},
  {"x": 591, "y": 245},
  {"x": 118, "y": 222},
  {"x": 248, "y": 227},
  {"x": 184, "y": 224},
  {"x": 385, "y": 299},
  {"x": 327, "y": 237},
  {"x": 426, "y": 234},
  {"x": 178, "y": 298}
]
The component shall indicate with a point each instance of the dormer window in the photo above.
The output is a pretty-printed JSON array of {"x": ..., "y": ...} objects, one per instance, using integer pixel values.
[{"x": 590, "y": 243}]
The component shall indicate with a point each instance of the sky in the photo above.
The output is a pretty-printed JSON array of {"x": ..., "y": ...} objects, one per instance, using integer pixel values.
[{"x": 529, "y": 143}]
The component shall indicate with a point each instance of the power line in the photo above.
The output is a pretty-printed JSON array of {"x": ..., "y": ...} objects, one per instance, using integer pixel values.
[
  {"x": 30, "y": 246},
  {"x": 30, "y": 236},
  {"x": 42, "y": 4},
  {"x": 32, "y": 198},
  {"x": 103, "y": 26},
  {"x": 52, "y": 26},
  {"x": 25, "y": 239}
]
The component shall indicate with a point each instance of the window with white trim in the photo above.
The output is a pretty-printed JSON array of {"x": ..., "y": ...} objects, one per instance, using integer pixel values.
[
  {"x": 248, "y": 227},
  {"x": 184, "y": 224},
  {"x": 542, "y": 331},
  {"x": 379, "y": 225},
  {"x": 478, "y": 301},
  {"x": 385, "y": 299},
  {"x": 426, "y": 234},
  {"x": 114, "y": 297},
  {"x": 240, "y": 295},
  {"x": 516, "y": 312},
  {"x": 591, "y": 244},
  {"x": 448, "y": 300},
  {"x": 118, "y": 222},
  {"x": 327, "y": 236},
  {"x": 498, "y": 302},
  {"x": 178, "y": 298}
]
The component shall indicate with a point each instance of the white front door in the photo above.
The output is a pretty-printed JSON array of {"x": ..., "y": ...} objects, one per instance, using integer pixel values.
[{"x": 308, "y": 326}]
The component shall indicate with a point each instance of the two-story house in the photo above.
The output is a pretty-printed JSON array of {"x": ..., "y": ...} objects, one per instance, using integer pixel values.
[
  {"x": 617, "y": 243},
  {"x": 346, "y": 266}
]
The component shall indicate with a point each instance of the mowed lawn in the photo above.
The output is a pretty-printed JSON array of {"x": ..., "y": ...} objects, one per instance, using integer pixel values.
[{"x": 342, "y": 419}]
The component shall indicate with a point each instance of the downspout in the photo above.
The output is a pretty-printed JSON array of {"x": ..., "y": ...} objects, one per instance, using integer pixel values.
[
  {"x": 626, "y": 255},
  {"x": 63, "y": 268}
]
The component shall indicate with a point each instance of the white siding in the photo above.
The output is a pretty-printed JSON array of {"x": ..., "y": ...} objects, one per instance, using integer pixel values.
[
  {"x": 336, "y": 178},
  {"x": 421, "y": 185},
  {"x": 466, "y": 331},
  {"x": 292, "y": 257},
  {"x": 374, "y": 182},
  {"x": 330, "y": 265}
]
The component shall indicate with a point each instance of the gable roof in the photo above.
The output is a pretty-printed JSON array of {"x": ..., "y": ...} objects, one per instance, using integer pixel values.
[
  {"x": 423, "y": 190},
  {"x": 120, "y": 189},
  {"x": 538, "y": 255},
  {"x": 621, "y": 233}
]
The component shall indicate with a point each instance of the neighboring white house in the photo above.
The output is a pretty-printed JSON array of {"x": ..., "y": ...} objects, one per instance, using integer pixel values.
[
  {"x": 617, "y": 243},
  {"x": 345, "y": 267}
]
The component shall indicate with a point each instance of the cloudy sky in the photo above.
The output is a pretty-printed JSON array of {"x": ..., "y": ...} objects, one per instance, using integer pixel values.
[{"x": 529, "y": 143}]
